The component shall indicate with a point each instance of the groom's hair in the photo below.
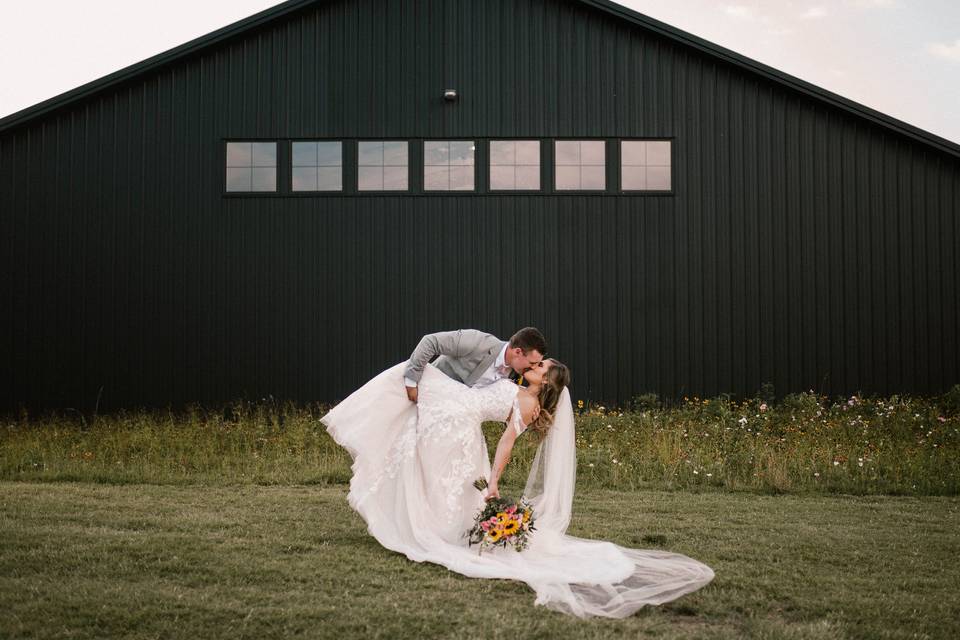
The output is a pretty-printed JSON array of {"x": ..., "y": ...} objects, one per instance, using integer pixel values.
[{"x": 529, "y": 338}]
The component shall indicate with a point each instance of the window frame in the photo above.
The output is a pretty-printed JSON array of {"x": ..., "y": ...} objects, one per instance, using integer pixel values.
[
  {"x": 647, "y": 192},
  {"x": 540, "y": 190},
  {"x": 478, "y": 158},
  {"x": 608, "y": 162},
  {"x": 319, "y": 192},
  {"x": 276, "y": 191},
  {"x": 385, "y": 192}
]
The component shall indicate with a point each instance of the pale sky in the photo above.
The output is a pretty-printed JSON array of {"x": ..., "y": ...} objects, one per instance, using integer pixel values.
[{"x": 901, "y": 57}]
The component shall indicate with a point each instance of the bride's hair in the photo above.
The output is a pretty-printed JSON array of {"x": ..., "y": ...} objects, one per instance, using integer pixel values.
[{"x": 558, "y": 377}]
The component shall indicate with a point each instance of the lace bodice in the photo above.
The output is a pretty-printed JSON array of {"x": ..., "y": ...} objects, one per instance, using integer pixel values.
[{"x": 443, "y": 401}]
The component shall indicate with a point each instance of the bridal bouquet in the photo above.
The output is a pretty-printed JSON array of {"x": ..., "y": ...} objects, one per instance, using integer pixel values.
[{"x": 501, "y": 523}]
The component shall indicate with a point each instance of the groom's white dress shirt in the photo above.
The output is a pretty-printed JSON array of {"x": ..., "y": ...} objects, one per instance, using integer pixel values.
[{"x": 494, "y": 372}]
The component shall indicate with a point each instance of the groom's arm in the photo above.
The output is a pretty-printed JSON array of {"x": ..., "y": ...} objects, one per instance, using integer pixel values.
[{"x": 444, "y": 343}]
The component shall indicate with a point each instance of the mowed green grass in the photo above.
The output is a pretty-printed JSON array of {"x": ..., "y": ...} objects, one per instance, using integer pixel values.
[{"x": 86, "y": 560}]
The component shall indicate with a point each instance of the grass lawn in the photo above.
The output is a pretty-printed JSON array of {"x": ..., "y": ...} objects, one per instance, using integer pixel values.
[{"x": 87, "y": 560}]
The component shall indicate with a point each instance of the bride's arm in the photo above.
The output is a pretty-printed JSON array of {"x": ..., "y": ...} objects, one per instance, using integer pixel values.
[
  {"x": 529, "y": 410},
  {"x": 501, "y": 457}
]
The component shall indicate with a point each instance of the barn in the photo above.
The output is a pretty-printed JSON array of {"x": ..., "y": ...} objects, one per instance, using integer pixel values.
[{"x": 284, "y": 206}]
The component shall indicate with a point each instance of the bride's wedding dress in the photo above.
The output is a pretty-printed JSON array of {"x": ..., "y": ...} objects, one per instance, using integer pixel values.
[{"x": 413, "y": 472}]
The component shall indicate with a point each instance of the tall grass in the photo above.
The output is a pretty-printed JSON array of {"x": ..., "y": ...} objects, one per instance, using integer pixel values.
[
  {"x": 243, "y": 443},
  {"x": 803, "y": 443},
  {"x": 893, "y": 445}
]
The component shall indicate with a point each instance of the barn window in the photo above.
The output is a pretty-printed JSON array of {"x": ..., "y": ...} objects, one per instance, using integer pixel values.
[
  {"x": 645, "y": 165},
  {"x": 317, "y": 166},
  {"x": 515, "y": 165},
  {"x": 251, "y": 166},
  {"x": 448, "y": 165},
  {"x": 383, "y": 166},
  {"x": 581, "y": 165}
]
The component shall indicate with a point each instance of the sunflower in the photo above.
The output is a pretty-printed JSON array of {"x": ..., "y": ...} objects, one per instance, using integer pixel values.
[
  {"x": 502, "y": 517},
  {"x": 495, "y": 534},
  {"x": 511, "y": 528},
  {"x": 526, "y": 515}
]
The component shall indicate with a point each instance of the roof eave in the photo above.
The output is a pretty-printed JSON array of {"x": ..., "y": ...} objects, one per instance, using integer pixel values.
[
  {"x": 777, "y": 76},
  {"x": 157, "y": 61}
]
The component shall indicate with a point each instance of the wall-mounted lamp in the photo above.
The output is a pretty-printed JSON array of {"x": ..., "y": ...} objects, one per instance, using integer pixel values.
[{"x": 450, "y": 95}]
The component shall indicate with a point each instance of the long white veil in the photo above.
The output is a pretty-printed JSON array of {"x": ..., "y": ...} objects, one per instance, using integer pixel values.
[
  {"x": 553, "y": 475},
  {"x": 616, "y": 580}
]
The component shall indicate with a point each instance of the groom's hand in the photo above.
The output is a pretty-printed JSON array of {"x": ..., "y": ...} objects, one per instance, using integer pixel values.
[{"x": 412, "y": 393}]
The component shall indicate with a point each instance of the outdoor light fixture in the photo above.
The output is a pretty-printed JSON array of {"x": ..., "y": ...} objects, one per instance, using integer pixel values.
[{"x": 450, "y": 95}]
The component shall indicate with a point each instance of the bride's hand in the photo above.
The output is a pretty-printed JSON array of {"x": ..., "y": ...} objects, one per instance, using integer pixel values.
[{"x": 492, "y": 492}]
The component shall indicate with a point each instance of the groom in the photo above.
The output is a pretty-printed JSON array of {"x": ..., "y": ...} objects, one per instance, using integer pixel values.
[{"x": 473, "y": 357}]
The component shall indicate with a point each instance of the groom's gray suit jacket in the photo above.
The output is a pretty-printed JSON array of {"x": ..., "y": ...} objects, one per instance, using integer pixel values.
[{"x": 463, "y": 355}]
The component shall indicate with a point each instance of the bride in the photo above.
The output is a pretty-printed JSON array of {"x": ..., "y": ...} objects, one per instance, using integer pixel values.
[{"x": 413, "y": 472}]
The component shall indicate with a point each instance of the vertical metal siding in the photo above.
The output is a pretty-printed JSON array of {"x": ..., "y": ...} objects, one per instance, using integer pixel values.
[{"x": 802, "y": 246}]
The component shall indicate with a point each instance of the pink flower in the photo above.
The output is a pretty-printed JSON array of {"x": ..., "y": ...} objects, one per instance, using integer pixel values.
[
  {"x": 486, "y": 525},
  {"x": 941, "y": 419},
  {"x": 512, "y": 509}
]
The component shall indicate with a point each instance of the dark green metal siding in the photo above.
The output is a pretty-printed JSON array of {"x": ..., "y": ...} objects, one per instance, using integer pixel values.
[{"x": 804, "y": 246}]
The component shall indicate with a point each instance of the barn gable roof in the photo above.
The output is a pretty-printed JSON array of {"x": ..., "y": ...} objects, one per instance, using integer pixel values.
[{"x": 619, "y": 11}]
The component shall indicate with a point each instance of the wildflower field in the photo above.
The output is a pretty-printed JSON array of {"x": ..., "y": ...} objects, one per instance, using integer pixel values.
[{"x": 801, "y": 443}]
